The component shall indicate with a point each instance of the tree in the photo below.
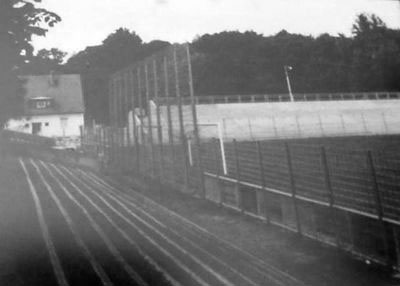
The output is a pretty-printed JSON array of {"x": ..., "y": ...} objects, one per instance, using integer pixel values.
[
  {"x": 238, "y": 63},
  {"x": 44, "y": 62},
  {"x": 19, "y": 21},
  {"x": 97, "y": 63},
  {"x": 54, "y": 54}
]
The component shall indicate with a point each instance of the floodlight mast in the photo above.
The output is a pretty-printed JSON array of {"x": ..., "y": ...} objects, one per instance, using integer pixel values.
[{"x": 287, "y": 69}]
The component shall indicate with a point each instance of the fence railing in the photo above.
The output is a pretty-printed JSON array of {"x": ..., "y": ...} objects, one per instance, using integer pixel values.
[
  {"x": 24, "y": 138},
  {"x": 246, "y": 98}
]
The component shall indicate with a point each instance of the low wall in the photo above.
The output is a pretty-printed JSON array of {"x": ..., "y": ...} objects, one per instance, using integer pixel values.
[{"x": 275, "y": 120}]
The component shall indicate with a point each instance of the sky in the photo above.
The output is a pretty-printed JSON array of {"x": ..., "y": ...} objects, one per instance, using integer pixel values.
[{"x": 88, "y": 22}]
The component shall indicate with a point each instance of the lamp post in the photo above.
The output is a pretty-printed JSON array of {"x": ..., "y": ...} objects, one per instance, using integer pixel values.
[{"x": 287, "y": 69}]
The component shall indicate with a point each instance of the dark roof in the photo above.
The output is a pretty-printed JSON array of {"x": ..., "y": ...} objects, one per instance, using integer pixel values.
[{"x": 65, "y": 90}]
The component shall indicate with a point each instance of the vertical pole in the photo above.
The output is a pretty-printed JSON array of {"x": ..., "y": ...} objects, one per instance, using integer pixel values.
[
  {"x": 115, "y": 141},
  {"x": 287, "y": 69},
  {"x": 263, "y": 197},
  {"x": 222, "y": 146},
  {"x": 112, "y": 137},
  {"x": 181, "y": 124},
  {"x": 159, "y": 126},
  {"x": 169, "y": 119},
  {"x": 103, "y": 144},
  {"x": 343, "y": 125},
  {"x": 121, "y": 123},
  {"x": 195, "y": 124},
  {"x": 98, "y": 140},
  {"x": 396, "y": 236},
  {"x": 218, "y": 171},
  {"x": 293, "y": 187},
  {"x": 378, "y": 204},
  {"x": 130, "y": 133},
  {"x": 126, "y": 123},
  {"x": 110, "y": 101},
  {"x": 385, "y": 123},
  {"x": 364, "y": 122},
  {"x": 274, "y": 125},
  {"x": 250, "y": 129},
  {"x": 298, "y": 125},
  {"x": 149, "y": 121},
  {"x": 117, "y": 128},
  {"x": 237, "y": 164},
  {"x": 101, "y": 147},
  {"x": 331, "y": 198},
  {"x": 115, "y": 111},
  {"x": 320, "y": 125},
  {"x": 135, "y": 128},
  {"x": 142, "y": 136},
  {"x": 111, "y": 112}
]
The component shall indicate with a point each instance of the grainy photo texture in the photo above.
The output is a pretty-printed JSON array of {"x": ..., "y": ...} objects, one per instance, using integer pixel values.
[{"x": 213, "y": 142}]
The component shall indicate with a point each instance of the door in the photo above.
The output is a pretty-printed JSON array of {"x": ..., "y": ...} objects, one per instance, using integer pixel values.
[
  {"x": 64, "y": 125},
  {"x": 36, "y": 128}
]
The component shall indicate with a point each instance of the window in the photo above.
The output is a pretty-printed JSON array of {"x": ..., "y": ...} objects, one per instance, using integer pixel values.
[
  {"x": 26, "y": 125},
  {"x": 41, "y": 104}
]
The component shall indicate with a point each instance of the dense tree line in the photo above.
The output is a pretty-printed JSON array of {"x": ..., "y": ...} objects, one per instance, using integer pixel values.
[{"x": 234, "y": 62}]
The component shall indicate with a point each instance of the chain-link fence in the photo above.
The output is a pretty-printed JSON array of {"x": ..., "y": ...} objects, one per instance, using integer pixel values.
[{"x": 344, "y": 197}]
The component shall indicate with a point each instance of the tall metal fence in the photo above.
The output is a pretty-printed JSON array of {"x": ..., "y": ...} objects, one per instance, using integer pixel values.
[
  {"x": 151, "y": 138},
  {"x": 344, "y": 197}
]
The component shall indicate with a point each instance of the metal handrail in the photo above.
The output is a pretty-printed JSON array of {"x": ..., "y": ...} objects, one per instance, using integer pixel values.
[{"x": 248, "y": 98}]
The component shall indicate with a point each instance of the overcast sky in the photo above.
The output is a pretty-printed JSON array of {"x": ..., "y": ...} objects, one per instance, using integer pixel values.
[{"x": 88, "y": 22}]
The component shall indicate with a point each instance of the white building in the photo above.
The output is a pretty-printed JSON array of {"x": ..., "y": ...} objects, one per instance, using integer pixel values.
[{"x": 53, "y": 107}]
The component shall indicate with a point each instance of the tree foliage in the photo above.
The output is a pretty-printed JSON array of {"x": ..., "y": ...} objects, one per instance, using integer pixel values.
[
  {"x": 95, "y": 64},
  {"x": 234, "y": 62},
  {"x": 19, "y": 21},
  {"x": 44, "y": 62}
]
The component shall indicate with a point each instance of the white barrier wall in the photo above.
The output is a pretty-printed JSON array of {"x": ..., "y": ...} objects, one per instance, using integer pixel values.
[
  {"x": 304, "y": 119},
  {"x": 272, "y": 120}
]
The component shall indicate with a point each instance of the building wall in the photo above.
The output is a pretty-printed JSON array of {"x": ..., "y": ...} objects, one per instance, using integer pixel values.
[{"x": 52, "y": 125}]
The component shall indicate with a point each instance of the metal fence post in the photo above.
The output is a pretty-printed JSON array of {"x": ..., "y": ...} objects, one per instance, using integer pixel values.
[
  {"x": 120, "y": 125},
  {"x": 263, "y": 196},
  {"x": 132, "y": 104},
  {"x": 237, "y": 164},
  {"x": 142, "y": 140},
  {"x": 181, "y": 123},
  {"x": 169, "y": 119},
  {"x": 112, "y": 131},
  {"x": 293, "y": 187},
  {"x": 200, "y": 167},
  {"x": 159, "y": 126},
  {"x": 378, "y": 204},
  {"x": 218, "y": 172},
  {"x": 149, "y": 120},
  {"x": 126, "y": 124},
  {"x": 396, "y": 236},
  {"x": 331, "y": 197}
]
